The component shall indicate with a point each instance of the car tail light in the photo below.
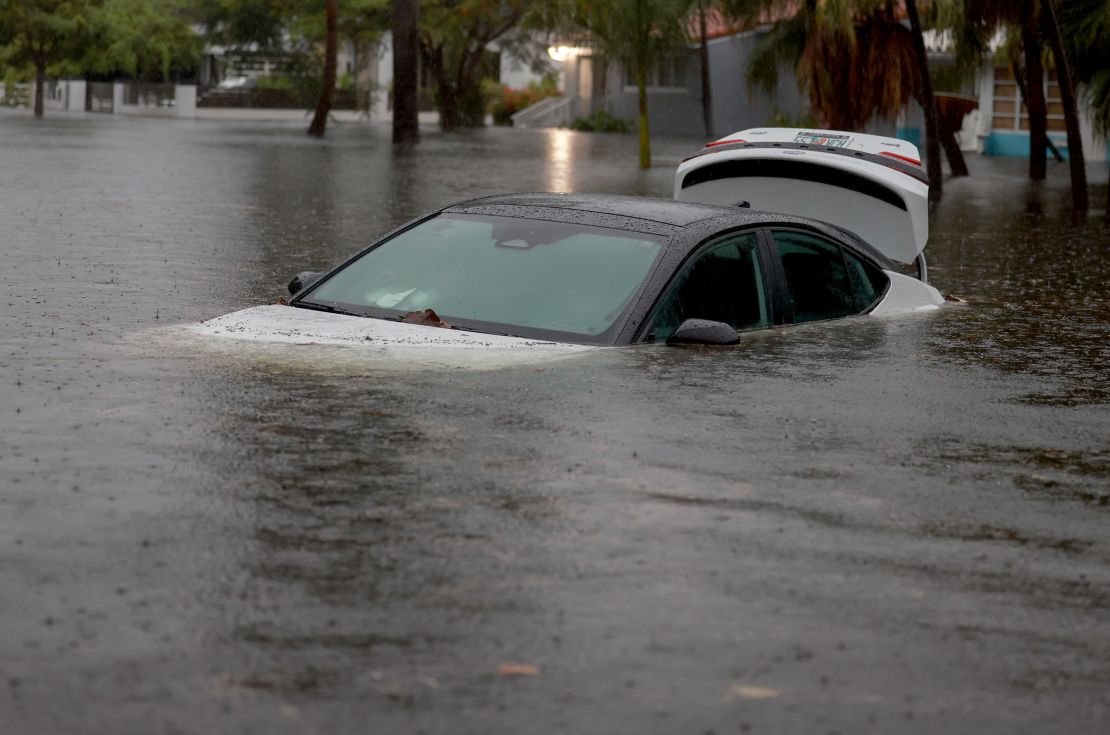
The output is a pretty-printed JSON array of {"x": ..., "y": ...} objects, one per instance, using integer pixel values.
[
  {"x": 715, "y": 143},
  {"x": 907, "y": 159}
]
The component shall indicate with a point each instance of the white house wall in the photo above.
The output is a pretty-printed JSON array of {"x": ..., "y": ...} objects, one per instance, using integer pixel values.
[
  {"x": 518, "y": 74},
  {"x": 383, "y": 72}
]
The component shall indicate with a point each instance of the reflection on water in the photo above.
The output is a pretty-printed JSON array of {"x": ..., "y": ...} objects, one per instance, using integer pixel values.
[
  {"x": 305, "y": 539},
  {"x": 558, "y": 159}
]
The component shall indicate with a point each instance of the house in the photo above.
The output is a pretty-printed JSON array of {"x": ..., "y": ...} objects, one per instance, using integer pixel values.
[
  {"x": 999, "y": 127},
  {"x": 1004, "y": 130},
  {"x": 674, "y": 88},
  {"x": 506, "y": 69}
]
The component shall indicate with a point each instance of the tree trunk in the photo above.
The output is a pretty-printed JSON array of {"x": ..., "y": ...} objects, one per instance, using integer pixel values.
[
  {"x": 706, "y": 91},
  {"x": 1018, "y": 76},
  {"x": 448, "y": 107},
  {"x": 1034, "y": 91},
  {"x": 1071, "y": 113},
  {"x": 331, "y": 51},
  {"x": 928, "y": 105},
  {"x": 40, "y": 82},
  {"x": 952, "y": 150},
  {"x": 645, "y": 137},
  {"x": 601, "y": 72},
  {"x": 406, "y": 71}
]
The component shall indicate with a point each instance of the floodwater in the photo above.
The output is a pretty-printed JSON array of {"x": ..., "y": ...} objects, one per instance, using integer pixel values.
[{"x": 866, "y": 526}]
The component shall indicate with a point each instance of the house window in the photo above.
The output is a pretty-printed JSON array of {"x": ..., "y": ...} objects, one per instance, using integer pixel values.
[
  {"x": 668, "y": 73},
  {"x": 1009, "y": 111}
]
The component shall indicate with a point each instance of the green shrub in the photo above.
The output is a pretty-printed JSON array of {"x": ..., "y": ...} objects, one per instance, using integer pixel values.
[
  {"x": 601, "y": 122},
  {"x": 275, "y": 82}
]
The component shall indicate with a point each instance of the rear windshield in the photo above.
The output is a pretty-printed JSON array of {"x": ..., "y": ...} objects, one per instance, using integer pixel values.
[{"x": 499, "y": 273}]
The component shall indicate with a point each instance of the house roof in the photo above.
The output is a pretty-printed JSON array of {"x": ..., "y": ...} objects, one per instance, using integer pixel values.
[{"x": 718, "y": 26}]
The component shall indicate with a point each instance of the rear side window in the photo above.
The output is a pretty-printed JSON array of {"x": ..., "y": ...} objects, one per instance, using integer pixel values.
[
  {"x": 868, "y": 282},
  {"x": 816, "y": 277}
]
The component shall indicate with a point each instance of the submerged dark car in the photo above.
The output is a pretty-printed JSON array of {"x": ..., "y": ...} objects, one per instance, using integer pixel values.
[
  {"x": 614, "y": 270},
  {"x": 599, "y": 270}
]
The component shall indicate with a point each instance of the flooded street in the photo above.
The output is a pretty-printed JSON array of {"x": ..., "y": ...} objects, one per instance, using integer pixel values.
[{"x": 863, "y": 526}]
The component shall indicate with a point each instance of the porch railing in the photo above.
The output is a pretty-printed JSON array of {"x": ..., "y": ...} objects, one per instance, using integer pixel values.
[{"x": 550, "y": 112}]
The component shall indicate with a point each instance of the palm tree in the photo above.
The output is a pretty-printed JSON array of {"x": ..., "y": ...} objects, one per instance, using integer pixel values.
[
  {"x": 1037, "y": 22},
  {"x": 833, "y": 59},
  {"x": 855, "y": 60},
  {"x": 928, "y": 103},
  {"x": 982, "y": 20},
  {"x": 637, "y": 33},
  {"x": 1071, "y": 112},
  {"x": 1086, "y": 25}
]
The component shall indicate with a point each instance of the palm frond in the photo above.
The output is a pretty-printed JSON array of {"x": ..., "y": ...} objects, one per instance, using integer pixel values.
[
  {"x": 780, "y": 48},
  {"x": 1098, "y": 97}
]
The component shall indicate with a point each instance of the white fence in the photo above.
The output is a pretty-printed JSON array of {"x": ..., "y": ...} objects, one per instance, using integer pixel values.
[{"x": 127, "y": 98}]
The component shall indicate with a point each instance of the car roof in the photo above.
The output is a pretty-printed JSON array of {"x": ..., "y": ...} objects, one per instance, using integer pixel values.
[
  {"x": 664, "y": 211},
  {"x": 666, "y": 215}
]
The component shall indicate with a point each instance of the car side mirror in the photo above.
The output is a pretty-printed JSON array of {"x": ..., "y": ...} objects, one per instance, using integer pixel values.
[
  {"x": 703, "y": 332},
  {"x": 303, "y": 280}
]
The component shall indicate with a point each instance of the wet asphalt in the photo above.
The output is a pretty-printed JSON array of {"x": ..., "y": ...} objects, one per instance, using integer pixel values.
[{"x": 863, "y": 526}]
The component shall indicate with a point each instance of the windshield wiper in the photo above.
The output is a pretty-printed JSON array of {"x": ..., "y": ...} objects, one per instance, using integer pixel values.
[
  {"x": 325, "y": 307},
  {"x": 426, "y": 318}
]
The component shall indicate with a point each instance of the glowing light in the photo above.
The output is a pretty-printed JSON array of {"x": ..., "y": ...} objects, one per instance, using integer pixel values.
[{"x": 562, "y": 53}]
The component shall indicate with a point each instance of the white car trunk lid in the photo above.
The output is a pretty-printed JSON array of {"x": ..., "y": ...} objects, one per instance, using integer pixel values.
[{"x": 868, "y": 184}]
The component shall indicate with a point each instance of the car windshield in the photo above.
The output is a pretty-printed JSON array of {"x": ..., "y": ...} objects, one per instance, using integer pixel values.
[{"x": 486, "y": 272}]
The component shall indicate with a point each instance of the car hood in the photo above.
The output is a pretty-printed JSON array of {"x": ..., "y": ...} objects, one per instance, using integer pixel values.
[{"x": 280, "y": 323}]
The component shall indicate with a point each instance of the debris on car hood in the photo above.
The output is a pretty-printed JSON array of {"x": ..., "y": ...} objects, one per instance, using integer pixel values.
[{"x": 427, "y": 318}]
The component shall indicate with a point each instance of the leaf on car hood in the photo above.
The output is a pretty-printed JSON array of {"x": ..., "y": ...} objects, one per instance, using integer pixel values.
[{"x": 427, "y": 318}]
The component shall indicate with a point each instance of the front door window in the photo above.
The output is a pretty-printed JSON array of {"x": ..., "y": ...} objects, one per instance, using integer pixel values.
[{"x": 724, "y": 283}]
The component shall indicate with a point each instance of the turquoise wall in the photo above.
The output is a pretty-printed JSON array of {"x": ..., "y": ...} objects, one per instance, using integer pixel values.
[
  {"x": 998, "y": 143},
  {"x": 913, "y": 135},
  {"x": 1016, "y": 144}
]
